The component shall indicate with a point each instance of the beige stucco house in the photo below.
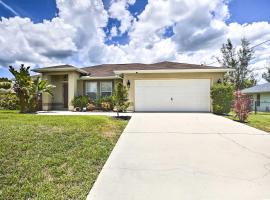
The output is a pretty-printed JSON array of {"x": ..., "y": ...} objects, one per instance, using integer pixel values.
[{"x": 164, "y": 86}]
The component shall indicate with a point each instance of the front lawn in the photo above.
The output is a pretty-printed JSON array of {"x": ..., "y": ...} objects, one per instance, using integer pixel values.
[
  {"x": 53, "y": 157},
  {"x": 260, "y": 121}
]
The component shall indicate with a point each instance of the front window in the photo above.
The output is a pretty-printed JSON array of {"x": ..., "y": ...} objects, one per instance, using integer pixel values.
[
  {"x": 106, "y": 89},
  {"x": 91, "y": 89},
  {"x": 258, "y": 100}
]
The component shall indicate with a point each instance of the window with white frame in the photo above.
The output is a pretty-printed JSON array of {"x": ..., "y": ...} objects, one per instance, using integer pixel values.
[
  {"x": 91, "y": 89},
  {"x": 105, "y": 88}
]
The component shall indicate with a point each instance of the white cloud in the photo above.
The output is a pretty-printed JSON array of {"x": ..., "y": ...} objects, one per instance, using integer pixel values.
[
  {"x": 21, "y": 40},
  {"x": 113, "y": 31},
  {"x": 72, "y": 37},
  {"x": 119, "y": 11},
  {"x": 76, "y": 36}
]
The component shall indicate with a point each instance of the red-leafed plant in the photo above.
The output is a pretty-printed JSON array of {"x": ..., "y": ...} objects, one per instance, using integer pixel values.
[{"x": 242, "y": 106}]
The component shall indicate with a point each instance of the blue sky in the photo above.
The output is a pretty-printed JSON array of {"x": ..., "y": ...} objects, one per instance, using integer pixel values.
[
  {"x": 123, "y": 39},
  {"x": 248, "y": 11},
  {"x": 35, "y": 10},
  {"x": 242, "y": 11}
]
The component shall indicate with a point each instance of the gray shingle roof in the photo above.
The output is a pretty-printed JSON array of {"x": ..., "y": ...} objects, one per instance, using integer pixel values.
[{"x": 258, "y": 89}]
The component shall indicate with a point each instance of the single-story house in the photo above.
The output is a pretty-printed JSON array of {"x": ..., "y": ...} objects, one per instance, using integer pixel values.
[
  {"x": 164, "y": 86},
  {"x": 261, "y": 96}
]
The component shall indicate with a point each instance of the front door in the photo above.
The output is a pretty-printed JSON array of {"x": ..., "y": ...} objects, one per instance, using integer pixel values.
[{"x": 65, "y": 94}]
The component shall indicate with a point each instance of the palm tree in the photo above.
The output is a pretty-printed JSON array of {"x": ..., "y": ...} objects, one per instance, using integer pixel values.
[{"x": 27, "y": 89}]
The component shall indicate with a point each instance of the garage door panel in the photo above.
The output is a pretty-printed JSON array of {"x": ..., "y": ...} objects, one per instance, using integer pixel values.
[{"x": 172, "y": 95}]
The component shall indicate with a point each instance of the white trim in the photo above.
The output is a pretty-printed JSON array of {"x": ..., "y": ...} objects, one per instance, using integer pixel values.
[
  {"x": 97, "y": 78},
  {"x": 170, "y": 71},
  {"x": 67, "y": 69}
]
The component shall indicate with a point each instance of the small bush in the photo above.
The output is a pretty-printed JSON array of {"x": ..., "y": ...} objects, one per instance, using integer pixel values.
[
  {"x": 222, "y": 97},
  {"x": 91, "y": 106},
  {"x": 242, "y": 106},
  {"x": 106, "y": 103},
  {"x": 9, "y": 101},
  {"x": 105, "y": 106},
  {"x": 5, "y": 85},
  {"x": 80, "y": 102}
]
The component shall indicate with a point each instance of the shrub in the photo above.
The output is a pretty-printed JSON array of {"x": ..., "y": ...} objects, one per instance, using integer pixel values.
[
  {"x": 121, "y": 98},
  {"x": 80, "y": 102},
  {"x": 106, "y": 103},
  {"x": 242, "y": 106},
  {"x": 105, "y": 106},
  {"x": 9, "y": 101},
  {"x": 91, "y": 106},
  {"x": 27, "y": 89},
  {"x": 222, "y": 97},
  {"x": 5, "y": 85}
]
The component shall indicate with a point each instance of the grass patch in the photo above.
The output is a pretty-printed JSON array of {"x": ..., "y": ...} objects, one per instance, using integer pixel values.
[
  {"x": 261, "y": 120},
  {"x": 53, "y": 157}
]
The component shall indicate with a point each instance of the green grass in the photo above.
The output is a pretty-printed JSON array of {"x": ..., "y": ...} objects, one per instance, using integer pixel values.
[
  {"x": 53, "y": 157},
  {"x": 260, "y": 121}
]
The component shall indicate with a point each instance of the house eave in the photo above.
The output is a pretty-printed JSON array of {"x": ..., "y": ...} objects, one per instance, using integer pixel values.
[
  {"x": 161, "y": 71},
  {"x": 98, "y": 77},
  {"x": 256, "y": 92},
  {"x": 41, "y": 70}
]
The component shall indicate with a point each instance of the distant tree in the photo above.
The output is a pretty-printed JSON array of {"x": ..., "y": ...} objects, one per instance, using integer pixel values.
[
  {"x": 229, "y": 59},
  {"x": 3, "y": 79},
  {"x": 5, "y": 85},
  {"x": 266, "y": 75},
  {"x": 8, "y": 99},
  {"x": 27, "y": 89},
  {"x": 250, "y": 82},
  {"x": 239, "y": 61}
]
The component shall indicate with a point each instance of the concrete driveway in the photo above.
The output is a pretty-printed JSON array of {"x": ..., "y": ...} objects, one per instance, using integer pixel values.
[{"x": 173, "y": 156}]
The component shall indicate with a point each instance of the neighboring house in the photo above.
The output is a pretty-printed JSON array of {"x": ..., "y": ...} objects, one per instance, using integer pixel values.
[
  {"x": 165, "y": 86},
  {"x": 261, "y": 96}
]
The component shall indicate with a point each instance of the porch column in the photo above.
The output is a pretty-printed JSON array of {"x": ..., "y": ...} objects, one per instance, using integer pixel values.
[
  {"x": 72, "y": 88},
  {"x": 46, "y": 98}
]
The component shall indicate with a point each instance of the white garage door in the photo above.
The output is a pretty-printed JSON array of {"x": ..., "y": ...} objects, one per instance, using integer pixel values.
[{"x": 172, "y": 95}]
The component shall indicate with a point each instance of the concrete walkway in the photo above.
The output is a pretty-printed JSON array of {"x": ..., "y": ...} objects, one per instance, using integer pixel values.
[
  {"x": 60, "y": 112},
  {"x": 172, "y": 156}
]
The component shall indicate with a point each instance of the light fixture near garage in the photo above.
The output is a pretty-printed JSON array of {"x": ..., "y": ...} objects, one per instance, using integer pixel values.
[{"x": 128, "y": 84}]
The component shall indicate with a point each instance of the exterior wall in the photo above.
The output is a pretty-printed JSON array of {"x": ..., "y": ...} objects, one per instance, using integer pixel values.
[
  {"x": 264, "y": 102},
  {"x": 57, "y": 98},
  {"x": 72, "y": 88},
  {"x": 80, "y": 85},
  {"x": 57, "y": 79},
  {"x": 214, "y": 77},
  {"x": 77, "y": 87}
]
